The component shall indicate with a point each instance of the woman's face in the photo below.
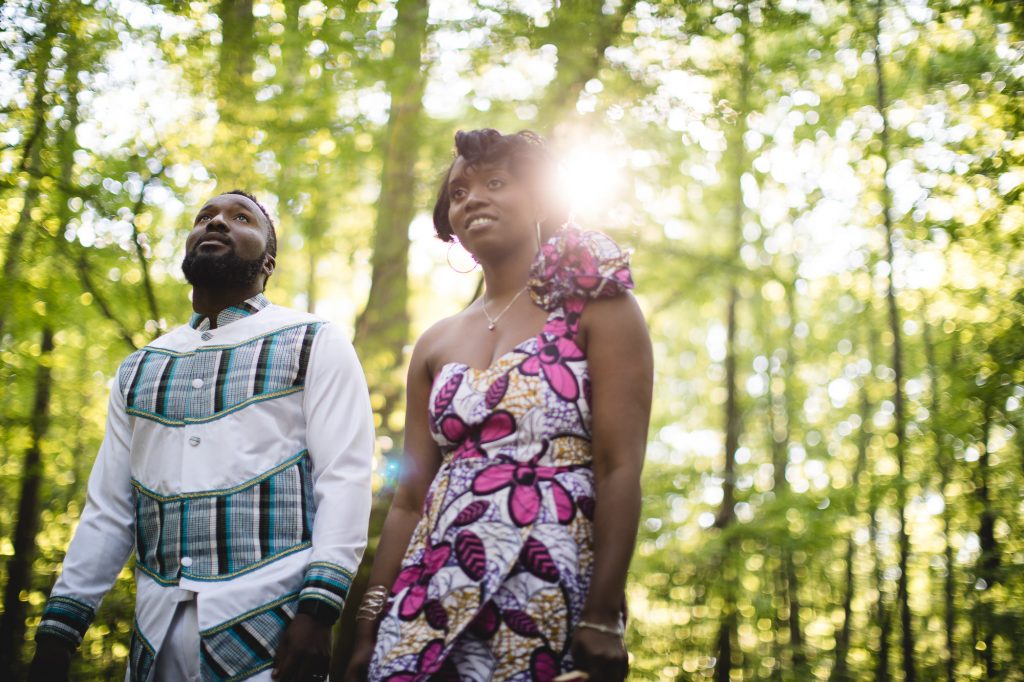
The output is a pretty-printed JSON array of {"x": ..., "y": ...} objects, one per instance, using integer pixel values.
[{"x": 490, "y": 210}]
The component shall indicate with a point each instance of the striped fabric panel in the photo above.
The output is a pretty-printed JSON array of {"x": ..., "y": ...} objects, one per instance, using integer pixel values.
[
  {"x": 326, "y": 582},
  {"x": 226, "y": 532},
  {"x": 245, "y": 645},
  {"x": 247, "y": 307},
  {"x": 66, "y": 618},
  {"x": 141, "y": 656},
  {"x": 175, "y": 389}
]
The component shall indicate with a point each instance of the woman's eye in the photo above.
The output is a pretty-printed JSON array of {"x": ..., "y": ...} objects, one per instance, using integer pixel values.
[
  {"x": 495, "y": 183},
  {"x": 458, "y": 194},
  {"x": 243, "y": 218},
  {"x": 202, "y": 218}
]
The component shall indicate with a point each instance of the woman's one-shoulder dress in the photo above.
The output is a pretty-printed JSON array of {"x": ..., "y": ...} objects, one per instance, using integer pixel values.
[{"x": 498, "y": 568}]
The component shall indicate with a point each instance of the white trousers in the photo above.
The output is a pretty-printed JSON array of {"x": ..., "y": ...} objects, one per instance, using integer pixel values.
[{"x": 178, "y": 659}]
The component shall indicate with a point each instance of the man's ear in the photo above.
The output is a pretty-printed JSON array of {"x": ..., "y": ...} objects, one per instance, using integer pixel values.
[{"x": 269, "y": 263}]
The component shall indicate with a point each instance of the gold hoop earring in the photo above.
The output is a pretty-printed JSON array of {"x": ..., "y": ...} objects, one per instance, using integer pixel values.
[
  {"x": 448, "y": 257},
  {"x": 539, "y": 242}
]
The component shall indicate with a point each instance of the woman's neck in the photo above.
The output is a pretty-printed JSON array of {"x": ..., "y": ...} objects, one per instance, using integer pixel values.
[{"x": 505, "y": 277}]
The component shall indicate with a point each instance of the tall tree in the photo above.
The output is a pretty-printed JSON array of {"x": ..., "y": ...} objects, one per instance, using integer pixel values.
[
  {"x": 31, "y": 163},
  {"x": 895, "y": 329},
  {"x": 736, "y": 160},
  {"x": 382, "y": 330},
  {"x": 19, "y": 566}
]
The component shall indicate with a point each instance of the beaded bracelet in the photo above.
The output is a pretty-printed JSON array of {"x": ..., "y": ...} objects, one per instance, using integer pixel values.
[
  {"x": 616, "y": 630},
  {"x": 373, "y": 603}
]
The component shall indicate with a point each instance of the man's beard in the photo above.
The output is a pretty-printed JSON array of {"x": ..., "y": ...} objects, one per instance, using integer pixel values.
[{"x": 228, "y": 271}]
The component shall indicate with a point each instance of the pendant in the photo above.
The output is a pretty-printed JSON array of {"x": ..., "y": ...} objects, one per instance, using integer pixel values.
[{"x": 490, "y": 327}]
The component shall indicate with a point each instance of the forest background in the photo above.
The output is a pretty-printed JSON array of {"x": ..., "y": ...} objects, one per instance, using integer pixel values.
[{"x": 824, "y": 199}]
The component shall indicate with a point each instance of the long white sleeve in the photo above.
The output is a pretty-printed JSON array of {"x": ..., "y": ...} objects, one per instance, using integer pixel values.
[
  {"x": 104, "y": 537},
  {"x": 340, "y": 439}
]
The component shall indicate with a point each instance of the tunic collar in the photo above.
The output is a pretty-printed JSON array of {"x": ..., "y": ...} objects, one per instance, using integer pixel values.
[{"x": 248, "y": 307}]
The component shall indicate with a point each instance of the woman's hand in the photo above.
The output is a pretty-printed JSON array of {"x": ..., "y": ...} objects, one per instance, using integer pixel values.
[
  {"x": 359, "y": 662},
  {"x": 601, "y": 655}
]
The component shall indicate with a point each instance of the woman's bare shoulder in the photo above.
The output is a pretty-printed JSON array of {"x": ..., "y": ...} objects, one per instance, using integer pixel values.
[{"x": 436, "y": 340}]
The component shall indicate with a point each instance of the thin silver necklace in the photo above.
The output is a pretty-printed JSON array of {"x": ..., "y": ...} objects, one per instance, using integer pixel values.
[{"x": 493, "y": 321}]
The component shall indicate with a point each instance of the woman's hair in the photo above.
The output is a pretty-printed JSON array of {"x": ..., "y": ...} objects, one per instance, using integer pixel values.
[{"x": 526, "y": 155}]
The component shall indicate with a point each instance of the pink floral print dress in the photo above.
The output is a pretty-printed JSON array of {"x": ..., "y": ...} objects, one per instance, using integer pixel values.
[{"x": 498, "y": 568}]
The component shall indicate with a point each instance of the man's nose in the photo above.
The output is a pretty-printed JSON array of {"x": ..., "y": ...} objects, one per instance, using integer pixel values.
[{"x": 217, "y": 222}]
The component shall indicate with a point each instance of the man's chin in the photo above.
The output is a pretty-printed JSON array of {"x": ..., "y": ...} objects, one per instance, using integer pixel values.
[{"x": 220, "y": 271}]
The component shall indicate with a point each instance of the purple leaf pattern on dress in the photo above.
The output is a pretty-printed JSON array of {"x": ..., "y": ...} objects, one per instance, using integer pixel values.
[
  {"x": 446, "y": 394},
  {"x": 536, "y": 559},
  {"x": 586, "y": 505},
  {"x": 543, "y": 665},
  {"x": 521, "y": 623},
  {"x": 471, "y": 554},
  {"x": 486, "y": 623},
  {"x": 496, "y": 391},
  {"x": 437, "y": 617},
  {"x": 473, "y": 511}
]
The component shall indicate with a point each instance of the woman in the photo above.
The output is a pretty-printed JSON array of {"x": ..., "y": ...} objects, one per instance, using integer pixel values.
[{"x": 505, "y": 552}]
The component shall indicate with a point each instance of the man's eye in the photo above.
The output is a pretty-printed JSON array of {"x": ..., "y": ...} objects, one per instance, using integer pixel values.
[
  {"x": 496, "y": 183},
  {"x": 202, "y": 218},
  {"x": 243, "y": 218}
]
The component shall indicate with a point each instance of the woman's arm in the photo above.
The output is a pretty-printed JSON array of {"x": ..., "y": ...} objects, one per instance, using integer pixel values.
[
  {"x": 420, "y": 463},
  {"x": 621, "y": 372}
]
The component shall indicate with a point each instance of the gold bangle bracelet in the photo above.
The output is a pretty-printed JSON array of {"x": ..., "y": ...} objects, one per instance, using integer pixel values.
[{"x": 374, "y": 600}]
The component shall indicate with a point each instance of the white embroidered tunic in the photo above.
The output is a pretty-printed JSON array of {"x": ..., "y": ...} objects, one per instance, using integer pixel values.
[{"x": 237, "y": 463}]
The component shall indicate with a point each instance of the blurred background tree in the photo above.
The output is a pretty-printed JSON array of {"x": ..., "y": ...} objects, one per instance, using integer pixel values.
[{"x": 824, "y": 199}]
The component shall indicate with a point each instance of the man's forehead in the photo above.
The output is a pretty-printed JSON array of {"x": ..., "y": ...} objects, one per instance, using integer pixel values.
[{"x": 232, "y": 200}]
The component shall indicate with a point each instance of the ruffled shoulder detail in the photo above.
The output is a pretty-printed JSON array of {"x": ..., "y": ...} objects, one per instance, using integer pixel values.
[{"x": 578, "y": 263}]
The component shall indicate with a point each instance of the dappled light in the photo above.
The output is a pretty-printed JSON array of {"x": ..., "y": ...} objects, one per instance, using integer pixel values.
[{"x": 822, "y": 201}]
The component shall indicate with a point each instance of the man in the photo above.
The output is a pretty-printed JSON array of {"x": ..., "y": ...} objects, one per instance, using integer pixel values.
[{"x": 237, "y": 462}]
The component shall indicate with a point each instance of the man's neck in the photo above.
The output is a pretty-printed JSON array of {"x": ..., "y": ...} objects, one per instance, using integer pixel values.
[{"x": 210, "y": 302}]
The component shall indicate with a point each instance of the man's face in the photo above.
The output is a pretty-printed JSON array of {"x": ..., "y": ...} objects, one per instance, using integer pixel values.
[{"x": 227, "y": 247}]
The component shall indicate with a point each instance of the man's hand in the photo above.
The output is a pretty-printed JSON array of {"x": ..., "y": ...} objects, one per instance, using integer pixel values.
[
  {"x": 305, "y": 651},
  {"x": 599, "y": 654},
  {"x": 51, "y": 662}
]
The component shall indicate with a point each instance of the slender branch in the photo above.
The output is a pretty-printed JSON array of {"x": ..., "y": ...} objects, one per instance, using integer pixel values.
[{"x": 140, "y": 251}]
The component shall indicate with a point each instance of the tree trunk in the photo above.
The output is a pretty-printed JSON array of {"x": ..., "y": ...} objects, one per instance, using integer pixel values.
[
  {"x": 882, "y": 616},
  {"x": 944, "y": 461},
  {"x": 902, "y": 598},
  {"x": 19, "y": 567},
  {"x": 841, "y": 670},
  {"x": 235, "y": 62},
  {"x": 31, "y": 162},
  {"x": 581, "y": 33},
  {"x": 796, "y": 639},
  {"x": 988, "y": 560},
  {"x": 737, "y": 160},
  {"x": 382, "y": 330}
]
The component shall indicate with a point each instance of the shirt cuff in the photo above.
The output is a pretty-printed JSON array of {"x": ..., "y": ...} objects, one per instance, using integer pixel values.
[
  {"x": 324, "y": 590},
  {"x": 65, "y": 618}
]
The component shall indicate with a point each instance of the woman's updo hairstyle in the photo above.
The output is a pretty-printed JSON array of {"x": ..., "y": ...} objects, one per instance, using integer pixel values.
[{"x": 526, "y": 155}]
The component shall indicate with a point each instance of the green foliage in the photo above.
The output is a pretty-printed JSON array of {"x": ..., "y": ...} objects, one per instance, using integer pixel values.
[{"x": 731, "y": 144}]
